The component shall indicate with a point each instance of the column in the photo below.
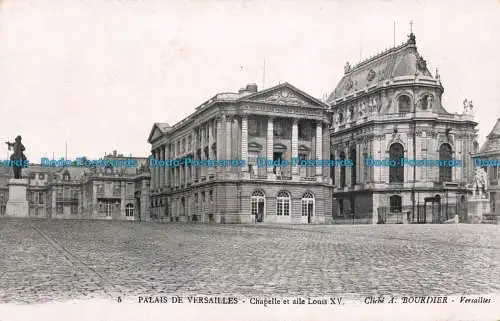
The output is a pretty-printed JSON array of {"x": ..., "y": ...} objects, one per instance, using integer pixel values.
[
  {"x": 167, "y": 157},
  {"x": 319, "y": 147},
  {"x": 162, "y": 169},
  {"x": 155, "y": 171},
  {"x": 359, "y": 165},
  {"x": 244, "y": 142},
  {"x": 377, "y": 155},
  {"x": 219, "y": 142},
  {"x": 295, "y": 144},
  {"x": 270, "y": 143},
  {"x": 203, "y": 142},
  {"x": 210, "y": 143},
  {"x": 336, "y": 183},
  {"x": 458, "y": 156},
  {"x": 194, "y": 146},
  {"x": 229, "y": 124}
]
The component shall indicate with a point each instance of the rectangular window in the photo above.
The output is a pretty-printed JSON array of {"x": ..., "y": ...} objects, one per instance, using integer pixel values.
[
  {"x": 74, "y": 208},
  {"x": 59, "y": 208},
  {"x": 493, "y": 202},
  {"x": 117, "y": 188}
]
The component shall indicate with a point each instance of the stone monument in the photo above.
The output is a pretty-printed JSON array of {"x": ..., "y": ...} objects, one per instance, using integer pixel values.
[
  {"x": 17, "y": 205},
  {"x": 479, "y": 203}
]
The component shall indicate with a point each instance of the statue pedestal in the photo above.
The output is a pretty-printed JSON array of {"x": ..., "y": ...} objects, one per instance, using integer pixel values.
[
  {"x": 477, "y": 207},
  {"x": 17, "y": 205}
]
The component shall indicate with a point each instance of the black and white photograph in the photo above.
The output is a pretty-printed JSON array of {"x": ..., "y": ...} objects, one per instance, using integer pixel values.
[{"x": 249, "y": 160}]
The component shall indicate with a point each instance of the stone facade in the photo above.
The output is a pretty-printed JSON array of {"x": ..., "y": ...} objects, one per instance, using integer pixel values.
[
  {"x": 278, "y": 124},
  {"x": 388, "y": 108},
  {"x": 77, "y": 192},
  {"x": 489, "y": 159}
]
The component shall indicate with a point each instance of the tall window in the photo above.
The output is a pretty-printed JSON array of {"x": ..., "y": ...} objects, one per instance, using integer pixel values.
[
  {"x": 258, "y": 205},
  {"x": 307, "y": 204},
  {"x": 129, "y": 210},
  {"x": 395, "y": 202},
  {"x": 493, "y": 200},
  {"x": 366, "y": 170},
  {"x": 445, "y": 155},
  {"x": 404, "y": 104},
  {"x": 342, "y": 169},
  {"x": 353, "y": 168},
  {"x": 396, "y": 173},
  {"x": 283, "y": 204}
]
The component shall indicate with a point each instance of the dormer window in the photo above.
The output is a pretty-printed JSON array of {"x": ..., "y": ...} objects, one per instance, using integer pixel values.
[{"x": 66, "y": 177}]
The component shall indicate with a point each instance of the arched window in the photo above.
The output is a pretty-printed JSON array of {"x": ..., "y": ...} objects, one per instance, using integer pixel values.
[
  {"x": 445, "y": 154},
  {"x": 342, "y": 169},
  {"x": 307, "y": 204},
  {"x": 404, "y": 104},
  {"x": 396, "y": 173},
  {"x": 129, "y": 210},
  {"x": 341, "y": 118},
  {"x": 353, "y": 168},
  {"x": 258, "y": 200},
  {"x": 396, "y": 204},
  {"x": 283, "y": 204}
]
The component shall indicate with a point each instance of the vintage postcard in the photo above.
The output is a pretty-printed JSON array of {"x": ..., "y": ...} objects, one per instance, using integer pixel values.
[{"x": 249, "y": 160}]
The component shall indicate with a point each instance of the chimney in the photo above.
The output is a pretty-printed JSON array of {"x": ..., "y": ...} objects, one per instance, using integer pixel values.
[{"x": 252, "y": 88}]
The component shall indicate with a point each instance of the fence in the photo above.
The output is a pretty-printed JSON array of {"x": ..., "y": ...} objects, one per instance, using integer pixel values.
[{"x": 430, "y": 213}]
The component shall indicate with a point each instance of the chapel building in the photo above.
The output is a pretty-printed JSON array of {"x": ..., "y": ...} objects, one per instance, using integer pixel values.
[{"x": 389, "y": 108}]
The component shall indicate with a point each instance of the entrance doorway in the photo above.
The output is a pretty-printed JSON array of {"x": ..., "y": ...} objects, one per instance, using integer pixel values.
[
  {"x": 307, "y": 208},
  {"x": 258, "y": 206}
]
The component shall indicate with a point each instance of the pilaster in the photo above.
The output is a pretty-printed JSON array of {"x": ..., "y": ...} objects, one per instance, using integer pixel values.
[
  {"x": 244, "y": 142},
  {"x": 319, "y": 147},
  {"x": 295, "y": 144},
  {"x": 270, "y": 144}
]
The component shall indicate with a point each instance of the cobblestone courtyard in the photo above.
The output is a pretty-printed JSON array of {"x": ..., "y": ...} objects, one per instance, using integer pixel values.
[{"x": 46, "y": 260}]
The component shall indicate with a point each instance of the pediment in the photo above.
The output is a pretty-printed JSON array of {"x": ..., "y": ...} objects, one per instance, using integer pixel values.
[
  {"x": 155, "y": 134},
  {"x": 303, "y": 148},
  {"x": 285, "y": 94}
]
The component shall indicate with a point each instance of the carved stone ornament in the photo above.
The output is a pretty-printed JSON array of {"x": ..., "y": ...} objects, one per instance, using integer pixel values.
[
  {"x": 286, "y": 97},
  {"x": 349, "y": 83},
  {"x": 371, "y": 75},
  {"x": 421, "y": 64}
]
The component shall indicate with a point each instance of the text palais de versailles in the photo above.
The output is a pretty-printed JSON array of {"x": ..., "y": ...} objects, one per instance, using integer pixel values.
[{"x": 388, "y": 106}]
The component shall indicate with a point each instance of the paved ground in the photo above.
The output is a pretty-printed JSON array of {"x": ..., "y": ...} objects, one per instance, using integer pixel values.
[{"x": 42, "y": 260}]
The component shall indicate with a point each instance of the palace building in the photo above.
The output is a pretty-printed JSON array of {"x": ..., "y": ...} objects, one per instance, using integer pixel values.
[
  {"x": 272, "y": 127},
  {"x": 389, "y": 108},
  {"x": 83, "y": 192}
]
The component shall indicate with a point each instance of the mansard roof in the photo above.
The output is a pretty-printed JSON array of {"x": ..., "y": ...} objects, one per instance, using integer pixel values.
[
  {"x": 400, "y": 61},
  {"x": 492, "y": 144}
]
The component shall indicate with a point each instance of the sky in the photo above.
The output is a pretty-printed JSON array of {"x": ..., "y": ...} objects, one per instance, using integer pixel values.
[{"x": 96, "y": 74}]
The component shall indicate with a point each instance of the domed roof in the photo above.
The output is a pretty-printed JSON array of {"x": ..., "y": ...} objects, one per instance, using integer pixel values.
[{"x": 400, "y": 61}]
